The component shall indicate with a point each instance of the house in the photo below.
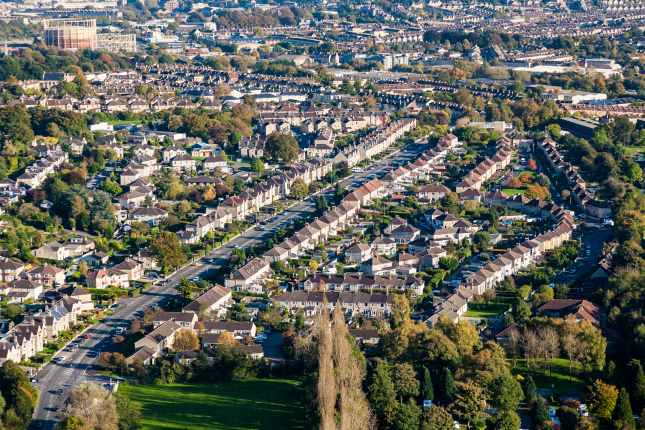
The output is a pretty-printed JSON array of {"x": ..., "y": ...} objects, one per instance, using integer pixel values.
[
  {"x": 432, "y": 193},
  {"x": 254, "y": 351},
  {"x": 250, "y": 276},
  {"x": 378, "y": 265},
  {"x": 107, "y": 277},
  {"x": 369, "y": 337},
  {"x": 385, "y": 246},
  {"x": 239, "y": 329},
  {"x": 155, "y": 342},
  {"x": 216, "y": 162},
  {"x": 10, "y": 269},
  {"x": 47, "y": 275},
  {"x": 212, "y": 302},
  {"x": 376, "y": 305},
  {"x": 579, "y": 309},
  {"x": 132, "y": 268},
  {"x": 57, "y": 251},
  {"x": 152, "y": 216},
  {"x": 405, "y": 234},
  {"x": 184, "y": 319},
  {"x": 358, "y": 253}
]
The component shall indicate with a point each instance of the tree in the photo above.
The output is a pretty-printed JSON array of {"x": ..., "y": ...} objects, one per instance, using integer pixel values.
[
  {"x": 463, "y": 334},
  {"x": 540, "y": 413},
  {"x": 407, "y": 384},
  {"x": 19, "y": 396},
  {"x": 593, "y": 346},
  {"x": 437, "y": 418},
  {"x": 469, "y": 402},
  {"x": 326, "y": 388},
  {"x": 507, "y": 392},
  {"x": 299, "y": 189},
  {"x": 637, "y": 376},
  {"x": 602, "y": 399},
  {"x": 72, "y": 423},
  {"x": 354, "y": 409},
  {"x": 185, "y": 340},
  {"x": 94, "y": 405},
  {"x": 257, "y": 166},
  {"x": 530, "y": 390},
  {"x": 506, "y": 420},
  {"x": 408, "y": 415},
  {"x": 568, "y": 417},
  {"x": 283, "y": 147},
  {"x": 428, "y": 390},
  {"x": 382, "y": 395},
  {"x": 129, "y": 413},
  {"x": 449, "y": 386},
  {"x": 167, "y": 247},
  {"x": 623, "y": 416}
]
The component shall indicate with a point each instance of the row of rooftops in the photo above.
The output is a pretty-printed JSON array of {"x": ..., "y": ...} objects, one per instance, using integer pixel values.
[
  {"x": 578, "y": 185},
  {"x": 456, "y": 304},
  {"x": 347, "y": 207},
  {"x": 279, "y": 183},
  {"x": 489, "y": 166}
]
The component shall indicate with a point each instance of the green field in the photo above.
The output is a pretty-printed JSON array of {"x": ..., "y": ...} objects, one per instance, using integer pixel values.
[
  {"x": 237, "y": 405},
  {"x": 513, "y": 191},
  {"x": 555, "y": 376},
  {"x": 486, "y": 310}
]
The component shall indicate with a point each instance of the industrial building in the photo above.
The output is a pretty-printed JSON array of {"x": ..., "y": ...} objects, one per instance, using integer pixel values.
[{"x": 70, "y": 34}]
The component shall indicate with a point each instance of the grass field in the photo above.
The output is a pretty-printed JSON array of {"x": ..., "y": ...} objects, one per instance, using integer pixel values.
[
  {"x": 556, "y": 376},
  {"x": 513, "y": 191},
  {"x": 486, "y": 310},
  {"x": 237, "y": 405}
]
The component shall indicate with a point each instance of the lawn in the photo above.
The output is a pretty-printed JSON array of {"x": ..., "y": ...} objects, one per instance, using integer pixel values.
[
  {"x": 124, "y": 121},
  {"x": 237, "y": 405},
  {"x": 634, "y": 150},
  {"x": 486, "y": 310},
  {"x": 556, "y": 376},
  {"x": 513, "y": 191}
]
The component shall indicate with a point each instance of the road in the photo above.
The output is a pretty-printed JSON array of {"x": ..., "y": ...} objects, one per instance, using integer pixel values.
[{"x": 79, "y": 364}]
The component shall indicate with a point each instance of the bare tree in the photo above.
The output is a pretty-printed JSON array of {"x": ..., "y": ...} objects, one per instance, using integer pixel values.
[
  {"x": 95, "y": 406},
  {"x": 513, "y": 344},
  {"x": 570, "y": 342},
  {"x": 531, "y": 346},
  {"x": 550, "y": 342}
]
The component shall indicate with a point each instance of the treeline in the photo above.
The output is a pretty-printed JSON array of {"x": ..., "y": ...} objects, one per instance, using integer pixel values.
[
  {"x": 484, "y": 39},
  {"x": 225, "y": 128},
  {"x": 606, "y": 157},
  {"x": 283, "y": 16},
  {"x": 17, "y": 397},
  {"x": 32, "y": 63}
]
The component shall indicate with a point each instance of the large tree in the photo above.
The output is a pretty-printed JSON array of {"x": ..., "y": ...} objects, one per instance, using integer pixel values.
[
  {"x": 326, "y": 388},
  {"x": 282, "y": 147},
  {"x": 382, "y": 394},
  {"x": 354, "y": 410},
  {"x": 603, "y": 399},
  {"x": 185, "y": 340},
  {"x": 437, "y": 418},
  {"x": 167, "y": 247},
  {"x": 95, "y": 406}
]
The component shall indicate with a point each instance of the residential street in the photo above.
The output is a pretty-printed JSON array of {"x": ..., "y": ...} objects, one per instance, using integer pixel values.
[{"x": 57, "y": 378}]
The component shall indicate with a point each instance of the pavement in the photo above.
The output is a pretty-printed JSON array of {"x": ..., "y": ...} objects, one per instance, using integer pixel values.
[{"x": 70, "y": 368}]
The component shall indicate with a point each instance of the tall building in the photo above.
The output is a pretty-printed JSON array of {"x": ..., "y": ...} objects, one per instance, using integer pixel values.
[{"x": 70, "y": 34}]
